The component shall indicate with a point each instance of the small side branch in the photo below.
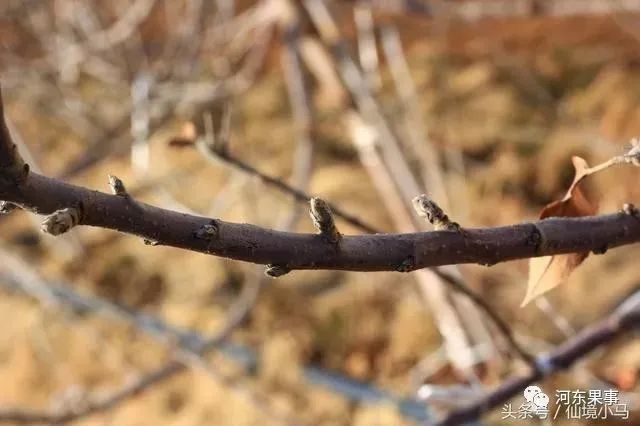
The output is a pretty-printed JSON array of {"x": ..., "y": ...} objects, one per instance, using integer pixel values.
[
  {"x": 624, "y": 319},
  {"x": 502, "y": 326},
  {"x": 273, "y": 182}
]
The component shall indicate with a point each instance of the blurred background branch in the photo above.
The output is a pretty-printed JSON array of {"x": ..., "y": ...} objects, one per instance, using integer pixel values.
[{"x": 366, "y": 104}]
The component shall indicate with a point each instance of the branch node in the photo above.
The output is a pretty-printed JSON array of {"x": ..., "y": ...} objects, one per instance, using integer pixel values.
[
  {"x": 407, "y": 265},
  {"x": 61, "y": 221},
  {"x": 117, "y": 186},
  {"x": 322, "y": 217},
  {"x": 208, "y": 231},
  {"x": 537, "y": 239},
  {"x": 427, "y": 208},
  {"x": 275, "y": 271}
]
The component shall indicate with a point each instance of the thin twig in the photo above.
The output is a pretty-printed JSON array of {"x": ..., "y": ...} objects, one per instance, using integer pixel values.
[
  {"x": 413, "y": 125},
  {"x": 297, "y": 251},
  {"x": 623, "y": 320},
  {"x": 501, "y": 325},
  {"x": 299, "y": 195}
]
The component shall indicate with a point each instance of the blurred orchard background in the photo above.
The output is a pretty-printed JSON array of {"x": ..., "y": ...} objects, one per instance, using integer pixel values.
[{"x": 488, "y": 101}]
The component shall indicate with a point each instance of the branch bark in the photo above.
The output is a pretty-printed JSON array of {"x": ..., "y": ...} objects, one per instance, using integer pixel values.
[{"x": 379, "y": 252}]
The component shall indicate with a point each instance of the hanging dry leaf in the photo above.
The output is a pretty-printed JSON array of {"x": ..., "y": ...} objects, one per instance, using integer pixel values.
[{"x": 546, "y": 273}]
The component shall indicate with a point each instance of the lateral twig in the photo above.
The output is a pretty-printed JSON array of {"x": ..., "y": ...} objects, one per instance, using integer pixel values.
[
  {"x": 301, "y": 196},
  {"x": 625, "y": 319}
]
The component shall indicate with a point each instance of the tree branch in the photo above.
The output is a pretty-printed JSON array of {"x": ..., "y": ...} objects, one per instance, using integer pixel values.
[
  {"x": 298, "y": 194},
  {"x": 624, "y": 319},
  {"x": 379, "y": 252},
  {"x": 12, "y": 168}
]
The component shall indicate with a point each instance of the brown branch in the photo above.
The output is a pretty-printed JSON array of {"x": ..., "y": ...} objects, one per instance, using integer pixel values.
[
  {"x": 305, "y": 251},
  {"x": 498, "y": 322},
  {"x": 623, "y": 320},
  {"x": 456, "y": 283},
  {"x": 380, "y": 252},
  {"x": 12, "y": 167},
  {"x": 299, "y": 195}
]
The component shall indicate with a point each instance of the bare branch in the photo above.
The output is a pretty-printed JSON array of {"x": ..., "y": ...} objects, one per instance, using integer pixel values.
[
  {"x": 274, "y": 271},
  {"x": 322, "y": 217},
  {"x": 299, "y": 195},
  {"x": 11, "y": 163},
  {"x": 500, "y": 324},
  {"x": 287, "y": 251},
  {"x": 381, "y": 252},
  {"x": 623, "y": 320}
]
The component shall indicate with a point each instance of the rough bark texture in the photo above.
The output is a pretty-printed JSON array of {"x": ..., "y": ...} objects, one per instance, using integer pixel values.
[{"x": 379, "y": 252}]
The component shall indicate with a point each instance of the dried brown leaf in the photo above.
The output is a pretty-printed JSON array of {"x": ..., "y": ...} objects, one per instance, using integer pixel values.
[{"x": 546, "y": 273}]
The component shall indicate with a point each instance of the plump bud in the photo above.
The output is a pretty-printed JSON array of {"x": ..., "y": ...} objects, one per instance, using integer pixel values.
[
  {"x": 117, "y": 186},
  {"x": 427, "y": 208},
  {"x": 322, "y": 217}
]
